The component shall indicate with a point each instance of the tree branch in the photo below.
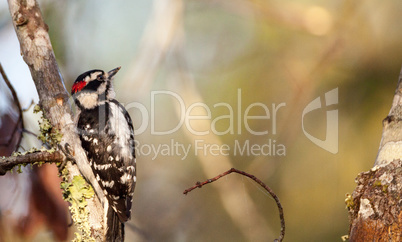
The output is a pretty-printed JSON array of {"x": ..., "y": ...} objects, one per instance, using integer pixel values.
[
  {"x": 252, "y": 177},
  {"x": 391, "y": 141},
  {"x": 37, "y": 52},
  {"x": 7, "y": 163},
  {"x": 20, "y": 122},
  {"x": 374, "y": 208}
]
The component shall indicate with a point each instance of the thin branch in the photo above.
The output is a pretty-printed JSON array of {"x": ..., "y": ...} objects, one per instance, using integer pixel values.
[
  {"x": 17, "y": 102},
  {"x": 29, "y": 132},
  {"x": 182, "y": 82},
  {"x": 7, "y": 163},
  {"x": 29, "y": 106},
  {"x": 252, "y": 177},
  {"x": 10, "y": 86}
]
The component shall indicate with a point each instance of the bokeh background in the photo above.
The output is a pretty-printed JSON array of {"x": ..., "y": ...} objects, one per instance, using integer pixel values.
[{"x": 272, "y": 52}]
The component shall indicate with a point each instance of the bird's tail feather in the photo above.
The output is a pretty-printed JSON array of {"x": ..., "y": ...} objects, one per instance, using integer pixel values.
[{"x": 115, "y": 228}]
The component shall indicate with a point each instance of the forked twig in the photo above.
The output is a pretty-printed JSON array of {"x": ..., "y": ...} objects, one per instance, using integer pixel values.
[{"x": 252, "y": 177}]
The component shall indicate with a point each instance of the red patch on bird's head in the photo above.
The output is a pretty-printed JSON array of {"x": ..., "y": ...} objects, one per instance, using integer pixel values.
[{"x": 78, "y": 86}]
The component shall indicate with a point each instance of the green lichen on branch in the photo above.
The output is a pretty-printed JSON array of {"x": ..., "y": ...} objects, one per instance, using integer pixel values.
[
  {"x": 378, "y": 183},
  {"x": 30, "y": 151},
  {"x": 76, "y": 192},
  {"x": 48, "y": 134},
  {"x": 349, "y": 201}
]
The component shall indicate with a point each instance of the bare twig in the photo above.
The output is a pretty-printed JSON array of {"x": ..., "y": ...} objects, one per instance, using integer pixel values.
[
  {"x": 7, "y": 163},
  {"x": 29, "y": 132},
  {"x": 29, "y": 106},
  {"x": 20, "y": 121},
  {"x": 181, "y": 81},
  {"x": 252, "y": 177}
]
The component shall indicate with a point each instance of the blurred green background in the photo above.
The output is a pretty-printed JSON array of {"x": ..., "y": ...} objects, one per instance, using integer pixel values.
[{"x": 272, "y": 52}]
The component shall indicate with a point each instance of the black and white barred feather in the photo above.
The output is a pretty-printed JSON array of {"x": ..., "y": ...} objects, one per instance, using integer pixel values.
[{"x": 107, "y": 135}]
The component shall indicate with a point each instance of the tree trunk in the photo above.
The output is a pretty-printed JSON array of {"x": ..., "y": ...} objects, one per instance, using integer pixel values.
[
  {"x": 36, "y": 49},
  {"x": 375, "y": 205}
]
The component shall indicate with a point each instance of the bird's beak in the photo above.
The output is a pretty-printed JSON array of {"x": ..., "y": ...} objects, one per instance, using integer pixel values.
[{"x": 113, "y": 72}]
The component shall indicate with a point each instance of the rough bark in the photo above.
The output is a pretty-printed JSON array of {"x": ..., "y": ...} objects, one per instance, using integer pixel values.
[
  {"x": 375, "y": 205},
  {"x": 8, "y": 163},
  {"x": 37, "y": 52}
]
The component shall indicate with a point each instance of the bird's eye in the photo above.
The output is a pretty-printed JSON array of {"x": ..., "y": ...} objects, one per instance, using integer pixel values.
[{"x": 99, "y": 77}]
